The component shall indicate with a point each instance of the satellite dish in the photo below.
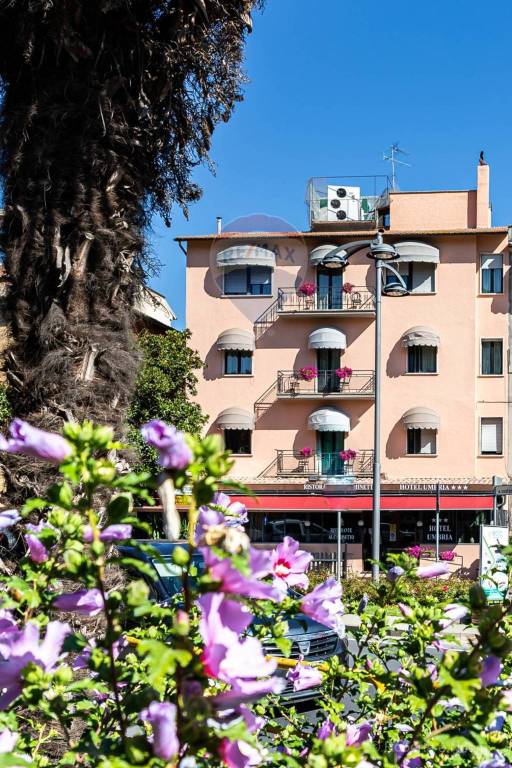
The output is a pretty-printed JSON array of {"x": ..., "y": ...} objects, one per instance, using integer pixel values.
[{"x": 341, "y": 192}]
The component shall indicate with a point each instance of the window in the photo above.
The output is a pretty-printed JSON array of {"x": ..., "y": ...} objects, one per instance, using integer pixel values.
[
  {"x": 421, "y": 441},
  {"x": 238, "y": 440},
  {"x": 248, "y": 281},
  {"x": 237, "y": 362},
  {"x": 419, "y": 276},
  {"x": 492, "y": 357},
  {"x": 492, "y": 272},
  {"x": 491, "y": 437},
  {"x": 421, "y": 359}
]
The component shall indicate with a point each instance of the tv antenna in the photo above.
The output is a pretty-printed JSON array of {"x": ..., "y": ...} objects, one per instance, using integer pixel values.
[{"x": 395, "y": 150}]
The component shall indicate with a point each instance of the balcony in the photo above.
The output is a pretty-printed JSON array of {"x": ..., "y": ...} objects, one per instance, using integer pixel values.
[
  {"x": 327, "y": 385},
  {"x": 359, "y": 301},
  {"x": 291, "y": 464},
  {"x": 352, "y": 203}
]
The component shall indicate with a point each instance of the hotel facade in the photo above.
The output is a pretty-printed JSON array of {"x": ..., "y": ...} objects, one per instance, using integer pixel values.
[{"x": 287, "y": 331}]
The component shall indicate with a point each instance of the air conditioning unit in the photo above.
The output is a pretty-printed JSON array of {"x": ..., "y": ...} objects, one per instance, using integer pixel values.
[{"x": 343, "y": 203}]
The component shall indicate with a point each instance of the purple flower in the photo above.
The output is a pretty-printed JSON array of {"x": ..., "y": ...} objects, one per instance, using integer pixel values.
[
  {"x": 161, "y": 715},
  {"x": 357, "y": 733},
  {"x": 8, "y": 741},
  {"x": 498, "y": 722},
  {"x": 21, "y": 647},
  {"x": 35, "y": 442},
  {"x": 401, "y": 748},
  {"x": 453, "y": 612},
  {"x": 234, "y": 512},
  {"x": 394, "y": 573},
  {"x": 248, "y": 690},
  {"x": 324, "y": 604},
  {"x": 238, "y": 754},
  {"x": 171, "y": 444},
  {"x": 491, "y": 670},
  {"x": 8, "y": 624},
  {"x": 117, "y": 532},
  {"x": 497, "y": 761},
  {"x": 405, "y": 610},
  {"x": 8, "y": 517},
  {"x": 431, "y": 571},
  {"x": 326, "y": 729},
  {"x": 36, "y": 549},
  {"x": 233, "y": 581},
  {"x": 226, "y": 657},
  {"x": 86, "y": 602},
  {"x": 289, "y": 565},
  {"x": 304, "y": 676}
]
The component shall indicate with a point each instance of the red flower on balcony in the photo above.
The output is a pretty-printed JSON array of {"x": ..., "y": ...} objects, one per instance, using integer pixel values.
[
  {"x": 344, "y": 373},
  {"x": 305, "y": 452},
  {"x": 306, "y": 289},
  {"x": 308, "y": 373},
  {"x": 348, "y": 455},
  {"x": 448, "y": 556},
  {"x": 348, "y": 287}
]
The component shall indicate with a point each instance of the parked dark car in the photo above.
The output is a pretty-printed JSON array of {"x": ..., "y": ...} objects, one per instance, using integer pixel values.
[{"x": 310, "y": 640}]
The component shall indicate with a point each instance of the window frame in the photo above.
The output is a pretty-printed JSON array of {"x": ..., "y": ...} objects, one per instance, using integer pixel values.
[
  {"x": 482, "y": 270},
  {"x": 492, "y": 375},
  {"x": 248, "y": 283},
  {"x": 240, "y": 354},
  {"x": 420, "y": 453},
  {"x": 409, "y": 277},
  {"x": 421, "y": 373},
  {"x": 238, "y": 453},
  {"x": 481, "y": 452}
]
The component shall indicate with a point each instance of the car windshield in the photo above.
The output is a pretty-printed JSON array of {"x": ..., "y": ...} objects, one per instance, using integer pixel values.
[{"x": 170, "y": 574}]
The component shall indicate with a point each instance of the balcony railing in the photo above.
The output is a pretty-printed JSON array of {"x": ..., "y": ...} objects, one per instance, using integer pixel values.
[
  {"x": 292, "y": 464},
  {"x": 360, "y": 300},
  {"x": 347, "y": 201},
  {"x": 359, "y": 384}
]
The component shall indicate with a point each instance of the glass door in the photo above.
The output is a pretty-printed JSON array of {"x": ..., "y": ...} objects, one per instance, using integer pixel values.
[
  {"x": 328, "y": 360},
  {"x": 329, "y": 446},
  {"x": 329, "y": 288}
]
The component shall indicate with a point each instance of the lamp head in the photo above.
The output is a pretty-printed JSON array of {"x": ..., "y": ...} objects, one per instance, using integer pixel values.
[
  {"x": 337, "y": 261},
  {"x": 379, "y": 250},
  {"x": 394, "y": 289}
]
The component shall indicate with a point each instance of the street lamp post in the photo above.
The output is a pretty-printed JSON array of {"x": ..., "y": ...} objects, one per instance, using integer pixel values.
[{"x": 380, "y": 252}]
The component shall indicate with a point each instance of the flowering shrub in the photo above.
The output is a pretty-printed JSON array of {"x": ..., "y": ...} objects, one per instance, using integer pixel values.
[
  {"x": 305, "y": 452},
  {"x": 348, "y": 287},
  {"x": 187, "y": 682},
  {"x": 308, "y": 372},
  {"x": 419, "y": 551},
  {"x": 306, "y": 289},
  {"x": 344, "y": 373},
  {"x": 348, "y": 455},
  {"x": 447, "y": 555}
]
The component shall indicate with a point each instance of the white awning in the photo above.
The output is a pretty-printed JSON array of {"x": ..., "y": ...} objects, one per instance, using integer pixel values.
[
  {"x": 246, "y": 256},
  {"x": 420, "y": 336},
  {"x": 236, "y": 338},
  {"x": 327, "y": 338},
  {"x": 329, "y": 420},
  {"x": 421, "y": 418},
  {"x": 414, "y": 251},
  {"x": 235, "y": 418},
  {"x": 318, "y": 254}
]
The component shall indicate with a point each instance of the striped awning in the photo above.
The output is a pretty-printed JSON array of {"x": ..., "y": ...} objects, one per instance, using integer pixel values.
[
  {"x": 318, "y": 254},
  {"x": 420, "y": 336},
  {"x": 416, "y": 251},
  {"x": 327, "y": 338},
  {"x": 246, "y": 256},
  {"x": 329, "y": 420},
  {"x": 235, "y": 418},
  {"x": 236, "y": 338},
  {"x": 421, "y": 418}
]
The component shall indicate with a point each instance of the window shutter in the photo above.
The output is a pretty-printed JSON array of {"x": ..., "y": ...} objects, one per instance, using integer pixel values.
[
  {"x": 235, "y": 280},
  {"x": 491, "y": 431},
  {"x": 422, "y": 278},
  {"x": 428, "y": 441},
  {"x": 492, "y": 261}
]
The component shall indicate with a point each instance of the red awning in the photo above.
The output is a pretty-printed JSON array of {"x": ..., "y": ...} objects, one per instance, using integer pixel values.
[{"x": 361, "y": 503}]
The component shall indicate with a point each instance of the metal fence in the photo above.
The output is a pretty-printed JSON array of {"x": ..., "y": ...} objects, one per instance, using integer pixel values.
[
  {"x": 358, "y": 299},
  {"x": 358, "y": 384},
  {"x": 290, "y": 463}
]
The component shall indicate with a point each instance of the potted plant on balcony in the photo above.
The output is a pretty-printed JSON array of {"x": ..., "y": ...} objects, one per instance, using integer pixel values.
[
  {"x": 347, "y": 456},
  {"x": 348, "y": 288},
  {"x": 308, "y": 373},
  {"x": 307, "y": 290},
  {"x": 344, "y": 375}
]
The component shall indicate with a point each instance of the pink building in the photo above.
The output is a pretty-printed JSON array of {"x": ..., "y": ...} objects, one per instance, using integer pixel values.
[{"x": 287, "y": 337}]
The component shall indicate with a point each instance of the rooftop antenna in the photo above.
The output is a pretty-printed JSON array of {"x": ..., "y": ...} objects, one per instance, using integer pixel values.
[{"x": 395, "y": 150}]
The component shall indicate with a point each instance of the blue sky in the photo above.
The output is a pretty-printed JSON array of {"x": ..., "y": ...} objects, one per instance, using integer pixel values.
[{"x": 331, "y": 86}]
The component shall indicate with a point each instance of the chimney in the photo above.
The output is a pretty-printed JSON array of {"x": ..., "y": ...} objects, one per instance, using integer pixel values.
[
  {"x": 483, "y": 207},
  {"x": 219, "y": 225}
]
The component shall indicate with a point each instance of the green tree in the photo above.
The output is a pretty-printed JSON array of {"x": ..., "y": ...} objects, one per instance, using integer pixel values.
[{"x": 164, "y": 388}]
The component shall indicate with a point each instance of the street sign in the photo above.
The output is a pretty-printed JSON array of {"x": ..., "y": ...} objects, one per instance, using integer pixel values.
[{"x": 493, "y": 565}]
